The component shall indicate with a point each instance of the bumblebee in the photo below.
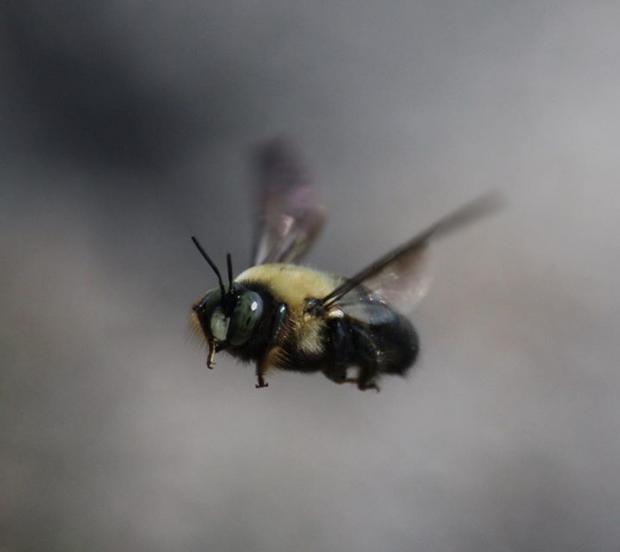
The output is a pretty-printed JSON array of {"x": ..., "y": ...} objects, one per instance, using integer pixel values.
[{"x": 282, "y": 315}]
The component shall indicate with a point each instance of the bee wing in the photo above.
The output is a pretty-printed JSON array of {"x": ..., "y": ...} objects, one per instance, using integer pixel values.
[
  {"x": 405, "y": 281},
  {"x": 290, "y": 216},
  {"x": 400, "y": 277}
]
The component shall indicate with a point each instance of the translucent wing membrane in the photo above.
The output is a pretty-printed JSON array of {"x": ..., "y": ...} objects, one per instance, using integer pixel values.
[
  {"x": 401, "y": 277},
  {"x": 365, "y": 306},
  {"x": 405, "y": 281},
  {"x": 289, "y": 214}
]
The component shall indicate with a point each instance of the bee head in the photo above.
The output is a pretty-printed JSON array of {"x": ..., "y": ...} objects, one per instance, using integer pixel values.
[
  {"x": 230, "y": 319},
  {"x": 227, "y": 317}
]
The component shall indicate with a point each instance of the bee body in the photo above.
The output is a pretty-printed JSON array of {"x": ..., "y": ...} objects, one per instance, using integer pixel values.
[
  {"x": 282, "y": 315},
  {"x": 330, "y": 341}
]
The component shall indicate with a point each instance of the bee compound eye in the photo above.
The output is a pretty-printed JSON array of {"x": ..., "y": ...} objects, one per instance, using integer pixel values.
[
  {"x": 246, "y": 315},
  {"x": 208, "y": 303}
]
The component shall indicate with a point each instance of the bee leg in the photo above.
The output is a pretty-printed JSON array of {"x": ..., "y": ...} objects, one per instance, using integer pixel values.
[
  {"x": 261, "y": 368},
  {"x": 363, "y": 386},
  {"x": 337, "y": 374},
  {"x": 365, "y": 380},
  {"x": 367, "y": 357},
  {"x": 370, "y": 385},
  {"x": 274, "y": 357},
  {"x": 340, "y": 347}
]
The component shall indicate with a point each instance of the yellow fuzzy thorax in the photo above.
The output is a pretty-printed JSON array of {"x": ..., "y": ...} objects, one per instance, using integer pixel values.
[{"x": 292, "y": 285}]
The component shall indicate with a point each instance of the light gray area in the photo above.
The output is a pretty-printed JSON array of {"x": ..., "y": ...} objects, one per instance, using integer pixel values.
[{"x": 126, "y": 128}]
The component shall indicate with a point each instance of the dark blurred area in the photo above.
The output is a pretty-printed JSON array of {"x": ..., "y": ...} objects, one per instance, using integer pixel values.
[
  {"x": 128, "y": 126},
  {"x": 78, "y": 80}
]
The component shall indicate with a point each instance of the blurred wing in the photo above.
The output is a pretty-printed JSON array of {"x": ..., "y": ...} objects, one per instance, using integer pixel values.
[
  {"x": 289, "y": 214},
  {"x": 405, "y": 281},
  {"x": 400, "y": 277},
  {"x": 366, "y": 306}
]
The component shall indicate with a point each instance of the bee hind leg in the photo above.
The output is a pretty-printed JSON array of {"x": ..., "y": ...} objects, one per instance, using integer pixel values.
[
  {"x": 340, "y": 349},
  {"x": 336, "y": 373},
  {"x": 349, "y": 345},
  {"x": 367, "y": 358}
]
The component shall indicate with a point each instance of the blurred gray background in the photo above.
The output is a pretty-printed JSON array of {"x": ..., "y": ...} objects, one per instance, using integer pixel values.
[{"x": 126, "y": 127}]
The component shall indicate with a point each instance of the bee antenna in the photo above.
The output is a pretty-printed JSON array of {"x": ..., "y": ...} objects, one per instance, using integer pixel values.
[
  {"x": 211, "y": 264},
  {"x": 230, "y": 272}
]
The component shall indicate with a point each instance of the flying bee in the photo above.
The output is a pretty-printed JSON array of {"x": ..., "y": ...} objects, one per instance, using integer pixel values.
[{"x": 283, "y": 315}]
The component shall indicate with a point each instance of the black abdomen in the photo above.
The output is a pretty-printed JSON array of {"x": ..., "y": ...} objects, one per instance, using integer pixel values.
[
  {"x": 384, "y": 345},
  {"x": 392, "y": 345}
]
